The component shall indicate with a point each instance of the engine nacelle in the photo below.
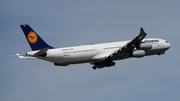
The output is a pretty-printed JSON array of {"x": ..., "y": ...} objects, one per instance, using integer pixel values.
[
  {"x": 144, "y": 46},
  {"x": 137, "y": 54}
]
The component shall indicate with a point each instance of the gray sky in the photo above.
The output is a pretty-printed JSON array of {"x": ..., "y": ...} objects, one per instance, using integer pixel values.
[{"x": 75, "y": 22}]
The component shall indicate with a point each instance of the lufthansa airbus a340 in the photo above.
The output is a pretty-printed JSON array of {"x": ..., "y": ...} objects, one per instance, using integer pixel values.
[{"x": 99, "y": 55}]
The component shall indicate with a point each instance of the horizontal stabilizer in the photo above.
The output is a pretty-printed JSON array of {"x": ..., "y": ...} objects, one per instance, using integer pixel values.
[
  {"x": 42, "y": 52},
  {"x": 24, "y": 56}
]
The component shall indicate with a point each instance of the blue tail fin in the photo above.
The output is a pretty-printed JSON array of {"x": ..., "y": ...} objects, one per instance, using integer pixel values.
[{"x": 34, "y": 40}]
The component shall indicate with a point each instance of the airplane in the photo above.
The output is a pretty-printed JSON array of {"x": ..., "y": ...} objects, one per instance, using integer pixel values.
[{"x": 99, "y": 55}]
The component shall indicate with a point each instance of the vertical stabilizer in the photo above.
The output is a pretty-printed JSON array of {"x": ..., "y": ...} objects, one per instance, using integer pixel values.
[{"x": 34, "y": 40}]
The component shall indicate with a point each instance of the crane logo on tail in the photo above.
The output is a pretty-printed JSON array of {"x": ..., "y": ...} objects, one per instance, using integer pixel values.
[{"x": 32, "y": 37}]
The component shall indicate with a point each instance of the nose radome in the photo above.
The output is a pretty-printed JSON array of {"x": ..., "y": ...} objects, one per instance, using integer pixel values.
[{"x": 168, "y": 45}]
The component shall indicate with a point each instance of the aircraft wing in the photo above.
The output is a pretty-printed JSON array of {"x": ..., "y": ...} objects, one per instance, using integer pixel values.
[{"x": 129, "y": 46}]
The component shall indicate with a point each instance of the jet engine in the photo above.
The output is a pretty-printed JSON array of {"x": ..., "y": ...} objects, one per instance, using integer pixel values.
[
  {"x": 144, "y": 46},
  {"x": 137, "y": 54}
]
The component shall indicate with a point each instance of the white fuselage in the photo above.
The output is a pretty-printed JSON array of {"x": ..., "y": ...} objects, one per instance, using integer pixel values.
[{"x": 97, "y": 52}]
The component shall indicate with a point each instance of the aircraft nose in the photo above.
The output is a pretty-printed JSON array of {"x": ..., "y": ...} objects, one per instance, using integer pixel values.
[{"x": 168, "y": 45}]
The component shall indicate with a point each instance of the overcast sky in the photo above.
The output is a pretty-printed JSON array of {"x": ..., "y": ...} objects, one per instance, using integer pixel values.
[{"x": 76, "y": 22}]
